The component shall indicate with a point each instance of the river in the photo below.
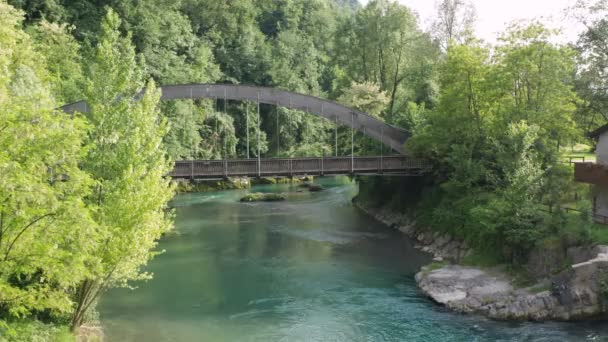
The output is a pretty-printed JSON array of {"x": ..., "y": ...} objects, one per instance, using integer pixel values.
[{"x": 310, "y": 269}]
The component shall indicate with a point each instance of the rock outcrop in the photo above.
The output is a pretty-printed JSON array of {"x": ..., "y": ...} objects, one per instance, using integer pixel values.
[{"x": 576, "y": 293}]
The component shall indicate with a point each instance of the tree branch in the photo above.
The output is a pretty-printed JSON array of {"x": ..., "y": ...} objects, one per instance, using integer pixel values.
[{"x": 10, "y": 246}]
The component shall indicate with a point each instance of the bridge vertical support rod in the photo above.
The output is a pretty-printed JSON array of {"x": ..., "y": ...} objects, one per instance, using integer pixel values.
[
  {"x": 259, "y": 160},
  {"x": 322, "y": 170},
  {"x": 192, "y": 115},
  {"x": 276, "y": 110},
  {"x": 352, "y": 142},
  {"x": 216, "y": 107},
  {"x": 247, "y": 124},
  {"x": 336, "y": 135},
  {"x": 381, "y": 149},
  {"x": 225, "y": 113},
  {"x": 192, "y": 169}
]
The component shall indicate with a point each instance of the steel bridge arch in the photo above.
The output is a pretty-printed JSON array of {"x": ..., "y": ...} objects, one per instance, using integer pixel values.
[{"x": 376, "y": 129}]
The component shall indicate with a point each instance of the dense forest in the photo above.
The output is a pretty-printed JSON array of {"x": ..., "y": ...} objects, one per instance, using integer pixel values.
[{"x": 83, "y": 199}]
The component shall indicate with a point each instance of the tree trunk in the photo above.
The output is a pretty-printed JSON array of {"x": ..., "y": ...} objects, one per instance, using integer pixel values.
[{"x": 87, "y": 292}]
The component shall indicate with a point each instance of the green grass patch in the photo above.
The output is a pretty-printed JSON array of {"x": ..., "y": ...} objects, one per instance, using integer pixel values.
[
  {"x": 435, "y": 265},
  {"x": 579, "y": 157},
  {"x": 577, "y": 153},
  {"x": 599, "y": 233},
  {"x": 482, "y": 259},
  {"x": 35, "y": 331},
  {"x": 541, "y": 287}
]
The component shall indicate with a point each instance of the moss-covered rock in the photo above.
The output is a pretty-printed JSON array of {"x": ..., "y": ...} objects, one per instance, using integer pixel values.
[
  {"x": 281, "y": 180},
  {"x": 311, "y": 187},
  {"x": 212, "y": 185},
  {"x": 263, "y": 197}
]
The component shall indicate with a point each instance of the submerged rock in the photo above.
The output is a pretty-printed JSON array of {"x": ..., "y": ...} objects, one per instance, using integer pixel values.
[
  {"x": 263, "y": 197},
  {"x": 311, "y": 187}
]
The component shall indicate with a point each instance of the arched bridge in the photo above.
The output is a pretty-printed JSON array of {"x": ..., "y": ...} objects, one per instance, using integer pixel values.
[
  {"x": 366, "y": 124},
  {"x": 376, "y": 129}
]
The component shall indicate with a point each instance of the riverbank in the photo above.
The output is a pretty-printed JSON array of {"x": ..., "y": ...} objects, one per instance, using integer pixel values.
[{"x": 579, "y": 291}]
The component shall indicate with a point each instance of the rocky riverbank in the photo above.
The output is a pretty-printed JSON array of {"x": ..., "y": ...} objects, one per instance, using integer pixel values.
[
  {"x": 442, "y": 247},
  {"x": 579, "y": 291}
]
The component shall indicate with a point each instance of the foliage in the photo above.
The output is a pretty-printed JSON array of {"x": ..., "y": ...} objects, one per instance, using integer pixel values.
[
  {"x": 62, "y": 53},
  {"x": 126, "y": 160},
  {"x": 592, "y": 58},
  {"x": 43, "y": 220},
  {"x": 454, "y": 23},
  {"x": 494, "y": 138},
  {"x": 382, "y": 44},
  {"x": 366, "y": 97},
  {"x": 34, "y": 331}
]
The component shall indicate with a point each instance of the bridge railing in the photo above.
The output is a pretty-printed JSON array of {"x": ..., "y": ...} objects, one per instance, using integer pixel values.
[{"x": 298, "y": 166}]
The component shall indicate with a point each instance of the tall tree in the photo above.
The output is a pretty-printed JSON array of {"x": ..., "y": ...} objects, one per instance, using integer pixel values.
[
  {"x": 592, "y": 77},
  {"x": 63, "y": 59},
  {"x": 127, "y": 162},
  {"x": 381, "y": 45},
  {"x": 44, "y": 225},
  {"x": 454, "y": 23}
]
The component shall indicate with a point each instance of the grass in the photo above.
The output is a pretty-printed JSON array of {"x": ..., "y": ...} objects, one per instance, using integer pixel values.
[
  {"x": 35, "y": 331},
  {"x": 481, "y": 259},
  {"x": 540, "y": 287},
  {"x": 575, "y": 229},
  {"x": 580, "y": 156},
  {"x": 578, "y": 152},
  {"x": 433, "y": 266},
  {"x": 599, "y": 233}
]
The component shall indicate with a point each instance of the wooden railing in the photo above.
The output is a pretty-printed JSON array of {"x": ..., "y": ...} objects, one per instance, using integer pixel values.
[
  {"x": 214, "y": 169},
  {"x": 573, "y": 159}
]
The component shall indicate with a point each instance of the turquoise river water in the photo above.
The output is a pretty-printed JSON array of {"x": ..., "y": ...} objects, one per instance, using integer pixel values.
[{"x": 310, "y": 269}]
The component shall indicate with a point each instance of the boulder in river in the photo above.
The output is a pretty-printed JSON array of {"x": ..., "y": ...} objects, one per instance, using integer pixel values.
[
  {"x": 263, "y": 197},
  {"x": 312, "y": 187}
]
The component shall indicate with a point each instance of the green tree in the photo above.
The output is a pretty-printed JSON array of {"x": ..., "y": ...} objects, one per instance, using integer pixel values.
[
  {"x": 44, "y": 225},
  {"x": 537, "y": 79},
  {"x": 61, "y": 51},
  {"x": 127, "y": 162},
  {"x": 592, "y": 76},
  {"x": 454, "y": 23},
  {"x": 382, "y": 45}
]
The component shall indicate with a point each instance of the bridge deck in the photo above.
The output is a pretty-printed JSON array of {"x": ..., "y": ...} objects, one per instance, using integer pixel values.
[{"x": 285, "y": 167}]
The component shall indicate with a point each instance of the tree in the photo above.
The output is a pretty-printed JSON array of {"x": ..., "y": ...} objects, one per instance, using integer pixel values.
[
  {"x": 494, "y": 138},
  {"x": 592, "y": 77},
  {"x": 454, "y": 23},
  {"x": 382, "y": 45},
  {"x": 537, "y": 79},
  {"x": 44, "y": 225},
  {"x": 366, "y": 97},
  {"x": 61, "y": 51},
  {"x": 127, "y": 162}
]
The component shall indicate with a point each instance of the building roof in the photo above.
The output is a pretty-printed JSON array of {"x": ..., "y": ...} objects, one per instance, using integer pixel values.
[{"x": 595, "y": 134}]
